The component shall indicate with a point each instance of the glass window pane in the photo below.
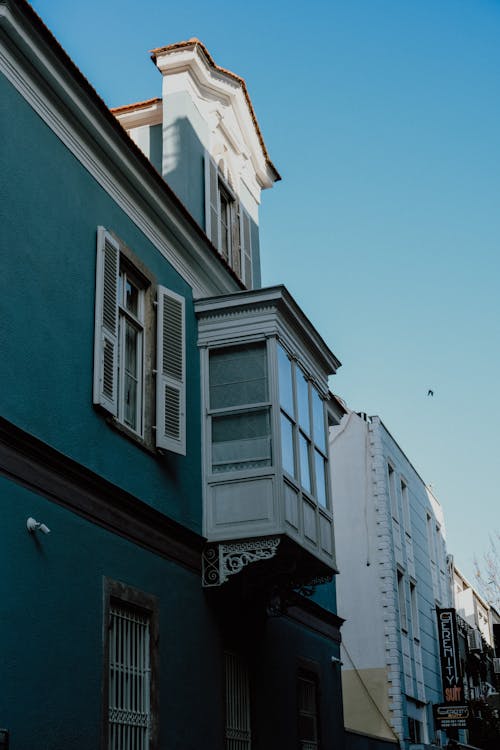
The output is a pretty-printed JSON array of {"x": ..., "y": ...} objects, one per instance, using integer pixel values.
[
  {"x": 238, "y": 376},
  {"x": 287, "y": 455},
  {"x": 305, "y": 474},
  {"x": 321, "y": 478},
  {"x": 241, "y": 441},
  {"x": 285, "y": 381},
  {"x": 318, "y": 420},
  {"x": 303, "y": 400},
  {"x": 131, "y": 372},
  {"x": 131, "y": 297}
]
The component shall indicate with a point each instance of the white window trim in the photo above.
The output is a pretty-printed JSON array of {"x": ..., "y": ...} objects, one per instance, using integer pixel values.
[
  {"x": 402, "y": 604},
  {"x": 393, "y": 491},
  {"x": 138, "y": 323}
]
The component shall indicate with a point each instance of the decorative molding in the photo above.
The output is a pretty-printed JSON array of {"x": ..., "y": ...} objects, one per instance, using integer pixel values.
[
  {"x": 227, "y": 559},
  {"x": 212, "y": 86},
  {"x": 43, "y": 470},
  {"x": 260, "y": 313}
]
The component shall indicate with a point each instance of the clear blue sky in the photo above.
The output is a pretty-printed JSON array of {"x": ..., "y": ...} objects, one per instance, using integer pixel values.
[{"x": 384, "y": 121}]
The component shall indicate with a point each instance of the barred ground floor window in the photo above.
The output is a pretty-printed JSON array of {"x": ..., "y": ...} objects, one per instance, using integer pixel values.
[
  {"x": 130, "y": 670},
  {"x": 238, "y": 735}
]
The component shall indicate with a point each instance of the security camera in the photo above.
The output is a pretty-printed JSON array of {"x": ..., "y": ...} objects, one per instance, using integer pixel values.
[{"x": 33, "y": 526}]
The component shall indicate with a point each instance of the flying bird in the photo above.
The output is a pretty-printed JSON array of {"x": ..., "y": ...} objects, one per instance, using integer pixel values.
[{"x": 430, "y": 392}]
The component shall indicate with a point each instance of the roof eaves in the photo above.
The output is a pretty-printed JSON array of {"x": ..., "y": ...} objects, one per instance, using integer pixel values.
[{"x": 136, "y": 106}]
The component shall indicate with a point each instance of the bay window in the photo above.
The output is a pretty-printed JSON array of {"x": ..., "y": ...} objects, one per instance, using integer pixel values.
[
  {"x": 240, "y": 408},
  {"x": 303, "y": 429},
  {"x": 266, "y": 409}
]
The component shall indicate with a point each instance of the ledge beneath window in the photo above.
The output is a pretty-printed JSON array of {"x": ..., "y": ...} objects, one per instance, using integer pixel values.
[{"x": 127, "y": 433}]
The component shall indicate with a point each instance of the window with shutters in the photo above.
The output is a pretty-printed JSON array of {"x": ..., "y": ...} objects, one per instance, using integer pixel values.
[
  {"x": 139, "y": 377},
  {"x": 228, "y": 224},
  {"x": 307, "y": 690},
  {"x": 130, "y": 668},
  {"x": 238, "y": 735}
]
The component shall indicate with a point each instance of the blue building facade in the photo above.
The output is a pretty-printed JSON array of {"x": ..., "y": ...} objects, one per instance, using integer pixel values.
[{"x": 166, "y": 499}]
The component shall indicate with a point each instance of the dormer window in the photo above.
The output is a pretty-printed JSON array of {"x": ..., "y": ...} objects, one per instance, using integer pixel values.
[{"x": 227, "y": 222}]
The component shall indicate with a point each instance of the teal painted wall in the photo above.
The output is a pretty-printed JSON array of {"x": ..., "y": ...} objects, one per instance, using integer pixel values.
[
  {"x": 51, "y": 586},
  {"x": 284, "y": 649},
  {"x": 326, "y": 596},
  {"x": 51, "y": 609},
  {"x": 51, "y": 208}
]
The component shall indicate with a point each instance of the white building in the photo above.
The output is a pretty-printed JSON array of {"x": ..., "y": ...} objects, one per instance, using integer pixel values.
[{"x": 391, "y": 554}]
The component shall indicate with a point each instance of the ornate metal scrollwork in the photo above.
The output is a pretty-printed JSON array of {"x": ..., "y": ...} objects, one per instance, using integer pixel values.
[{"x": 226, "y": 559}]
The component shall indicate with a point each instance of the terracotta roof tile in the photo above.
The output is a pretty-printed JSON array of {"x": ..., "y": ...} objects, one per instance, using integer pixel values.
[{"x": 137, "y": 105}]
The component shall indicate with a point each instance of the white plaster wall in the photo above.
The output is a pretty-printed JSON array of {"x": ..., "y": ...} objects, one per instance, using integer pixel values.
[
  {"x": 367, "y": 530},
  {"x": 359, "y": 598}
]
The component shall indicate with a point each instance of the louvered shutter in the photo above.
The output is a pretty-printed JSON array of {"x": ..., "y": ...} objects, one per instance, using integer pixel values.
[
  {"x": 235, "y": 238},
  {"x": 212, "y": 207},
  {"x": 106, "y": 322},
  {"x": 246, "y": 245},
  {"x": 171, "y": 373}
]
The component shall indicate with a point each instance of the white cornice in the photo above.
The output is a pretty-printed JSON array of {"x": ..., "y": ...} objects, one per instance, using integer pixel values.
[
  {"x": 240, "y": 317},
  {"x": 74, "y": 115},
  {"x": 134, "y": 118},
  {"x": 212, "y": 85}
]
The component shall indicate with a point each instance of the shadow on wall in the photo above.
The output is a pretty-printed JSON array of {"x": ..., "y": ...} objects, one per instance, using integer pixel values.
[
  {"x": 184, "y": 166},
  {"x": 184, "y": 170}
]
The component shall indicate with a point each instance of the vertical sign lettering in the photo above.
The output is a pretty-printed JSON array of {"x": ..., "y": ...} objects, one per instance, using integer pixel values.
[{"x": 453, "y": 690}]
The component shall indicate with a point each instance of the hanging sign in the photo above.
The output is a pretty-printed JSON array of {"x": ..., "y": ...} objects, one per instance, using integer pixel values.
[
  {"x": 453, "y": 689},
  {"x": 448, "y": 717}
]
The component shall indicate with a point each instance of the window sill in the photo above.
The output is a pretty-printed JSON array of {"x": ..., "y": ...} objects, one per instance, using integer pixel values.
[
  {"x": 243, "y": 474},
  {"x": 132, "y": 436}
]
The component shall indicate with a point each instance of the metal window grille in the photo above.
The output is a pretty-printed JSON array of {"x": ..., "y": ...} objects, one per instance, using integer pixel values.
[
  {"x": 129, "y": 711},
  {"x": 238, "y": 730},
  {"x": 308, "y": 714}
]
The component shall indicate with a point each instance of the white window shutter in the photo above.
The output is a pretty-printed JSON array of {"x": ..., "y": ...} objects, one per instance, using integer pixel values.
[
  {"x": 106, "y": 322},
  {"x": 171, "y": 372},
  {"x": 212, "y": 208},
  {"x": 236, "y": 255},
  {"x": 246, "y": 246}
]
